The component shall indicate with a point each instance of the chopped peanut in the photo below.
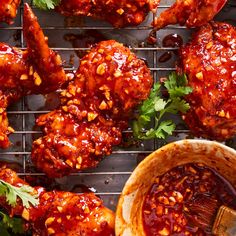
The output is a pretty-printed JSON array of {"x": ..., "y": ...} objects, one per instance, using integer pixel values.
[
  {"x": 101, "y": 69},
  {"x": 120, "y": 11},
  {"x": 24, "y": 77},
  {"x": 49, "y": 220},
  {"x": 51, "y": 231},
  {"x": 25, "y": 214},
  {"x": 37, "y": 79},
  {"x": 199, "y": 75}
]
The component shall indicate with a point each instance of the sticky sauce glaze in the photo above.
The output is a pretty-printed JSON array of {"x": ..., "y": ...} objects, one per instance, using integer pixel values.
[{"x": 181, "y": 201}]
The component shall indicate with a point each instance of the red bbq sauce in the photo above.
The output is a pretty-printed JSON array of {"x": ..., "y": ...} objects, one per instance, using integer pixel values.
[{"x": 173, "y": 205}]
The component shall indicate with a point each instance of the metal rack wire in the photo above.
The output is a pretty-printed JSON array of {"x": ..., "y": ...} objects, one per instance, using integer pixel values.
[{"x": 108, "y": 179}]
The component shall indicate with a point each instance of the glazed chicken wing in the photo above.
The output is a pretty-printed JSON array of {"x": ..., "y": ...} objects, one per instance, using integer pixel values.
[
  {"x": 95, "y": 108},
  {"x": 8, "y": 10},
  {"x": 36, "y": 70},
  {"x": 192, "y": 13},
  {"x": 209, "y": 60},
  {"x": 61, "y": 213},
  {"x": 119, "y": 13}
]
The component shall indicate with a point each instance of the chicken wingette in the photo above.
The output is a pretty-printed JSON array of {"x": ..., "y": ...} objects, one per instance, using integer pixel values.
[
  {"x": 209, "y": 60},
  {"x": 95, "y": 108},
  {"x": 34, "y": 71},
  {"x": 192, "y": 13},
  {"x": 119, "y": 13},
  {"x": 60, "y": 213}
]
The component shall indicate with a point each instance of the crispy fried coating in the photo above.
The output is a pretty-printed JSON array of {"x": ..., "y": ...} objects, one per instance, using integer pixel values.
[
  {"x": 209, "y": 60},
  {"x": 119, "y": 13},
  {"x": 61, "y": 213},
  {"x": 36, "y": 70},
  {"x": 192, "y": 13},
  {"x": 46, "y": 62},
  {"x": 110, "y": 82},
  {"x": 8, "y": 10},
  {"x": 71, "y": 144}
]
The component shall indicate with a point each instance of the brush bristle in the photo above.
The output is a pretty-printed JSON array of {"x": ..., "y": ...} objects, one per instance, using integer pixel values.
[{"x": 202, "y": 212}]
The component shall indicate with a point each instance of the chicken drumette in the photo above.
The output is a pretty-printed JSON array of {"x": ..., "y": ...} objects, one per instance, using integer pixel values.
[
  {"x": 61, "y": 213},
  {"x": 109, "y": 84},
  {"x": 8, "y": 10},
  {"x": 209, "y": 61},
  {"x": 119, "y": 13},
  {"x": 192, "y": 13},
  {"x": 36, "y": 70}
]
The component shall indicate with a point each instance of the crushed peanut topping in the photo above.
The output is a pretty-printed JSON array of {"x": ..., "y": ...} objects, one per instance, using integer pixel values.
[
  {"x": 199, "y": 75},
  {"x": 92, "y": 116},
  {"x": 59, "y": 208},
  {"x": 24, "y": 77},
  {"x": 120, "y": 11},
  {"x": 117, "y": 73},
  {"x": 10, "y": 129},
  {"x": 101, "y": 69},
  {"x": 37, "y": 79},
  {"x": 51, "y": 231},
  {"x": 25, "y": 214},
  {"x": 103, "y": 105},
  {"x": 49, "y": 220},
  {"x": 69, "y": 162}
]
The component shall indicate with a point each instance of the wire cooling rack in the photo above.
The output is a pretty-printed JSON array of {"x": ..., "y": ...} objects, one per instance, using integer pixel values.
[{"x": 70, "y": 37}]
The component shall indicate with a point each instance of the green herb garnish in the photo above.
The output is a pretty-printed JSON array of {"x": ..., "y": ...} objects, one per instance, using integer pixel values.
[
  {"x": 14, "y": 225},
  {"x": 46, "y": 4},
  {"x": 156, "y": 107},
  {"x": 24, "y": 193}
]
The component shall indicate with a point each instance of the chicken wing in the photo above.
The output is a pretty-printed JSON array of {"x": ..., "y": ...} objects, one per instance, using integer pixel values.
[
  {"x": 209, "y": 60},
  {"x": 8, "y": 10},
  {"x": 36, "y": 70},
  {"x": 95, "y": 109},
  {"x": 61, "y": 213},
  {"x": 119, "y": 13},
  {"x": 192, "y": 13}
]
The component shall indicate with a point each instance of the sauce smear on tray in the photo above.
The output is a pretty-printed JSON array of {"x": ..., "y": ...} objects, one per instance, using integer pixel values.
[{"x": 179, "y": 200}]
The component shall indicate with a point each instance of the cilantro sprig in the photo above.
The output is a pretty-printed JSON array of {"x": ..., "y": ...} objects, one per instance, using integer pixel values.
[
  {"x": 156, "y": 107},
  {"x": 12, "y": 193},
  {"x": 46, "y": 4},
  {"x": 14, "y": 225},
  {"x": 25, "y": 193}
]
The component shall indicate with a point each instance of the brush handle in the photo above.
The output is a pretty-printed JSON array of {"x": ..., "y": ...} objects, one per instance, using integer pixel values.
[{"x": 225, "y": 222}]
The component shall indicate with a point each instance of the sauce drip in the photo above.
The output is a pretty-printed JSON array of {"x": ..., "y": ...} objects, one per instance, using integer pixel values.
[
  {"x": 181, "y": 201},
  {"x": 166, "y": 56},
  {"x": 170, "y": 41}
]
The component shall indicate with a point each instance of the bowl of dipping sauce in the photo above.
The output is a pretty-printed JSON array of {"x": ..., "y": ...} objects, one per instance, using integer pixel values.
[{"x": 173, "y": 189}]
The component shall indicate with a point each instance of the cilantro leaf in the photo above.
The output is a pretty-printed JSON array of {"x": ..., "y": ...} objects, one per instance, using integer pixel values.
[
  {"x": 176, "y": 85},
  {"x": 3, "y": 230},
  {"x": 160, "y": 104},
  {"x": 147, "y": 107},
  {"x": 177, "y": 105},
  {"x": 14, "y": 224},
  {"x": 25, "y": 193},
  {"x": 165, "y": 128},
  {"x": 156, "y": 107},
  {"x": 46, "y": 4}
]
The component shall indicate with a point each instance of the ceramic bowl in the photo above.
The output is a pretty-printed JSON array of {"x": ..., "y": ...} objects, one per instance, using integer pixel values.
[{"x": 129, "y": 210}]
